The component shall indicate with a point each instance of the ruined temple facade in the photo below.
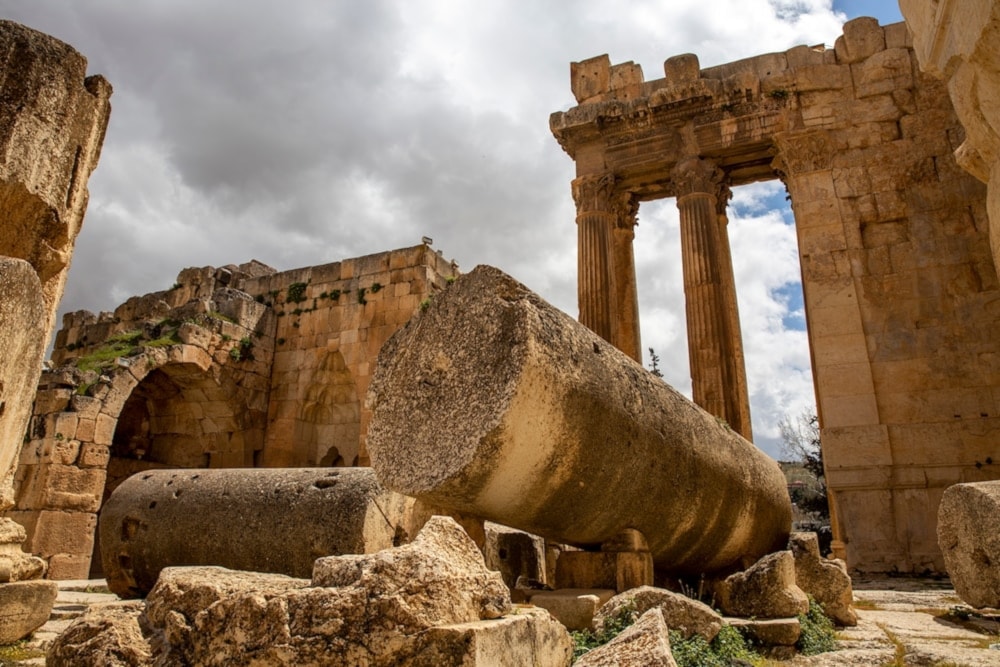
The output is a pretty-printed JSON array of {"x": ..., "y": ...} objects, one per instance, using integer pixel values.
[
  {"x": 899, "y": 282},
  {"x": 239, "y": 366}
]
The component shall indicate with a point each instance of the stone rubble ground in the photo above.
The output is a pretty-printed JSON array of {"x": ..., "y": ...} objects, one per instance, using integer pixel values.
[{"x": 894, "y": 615}]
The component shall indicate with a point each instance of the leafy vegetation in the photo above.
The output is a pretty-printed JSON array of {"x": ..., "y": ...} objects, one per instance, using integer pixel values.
[
  {"x": 296, "y": 293},
  {"x": 728, "y": 648},
  {"x": 585, "y": 640},
  {"x": 818, "y": 634}
]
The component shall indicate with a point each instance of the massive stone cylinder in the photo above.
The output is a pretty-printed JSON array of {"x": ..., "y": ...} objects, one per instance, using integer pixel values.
[
  {"x": 493, "y": 402},
  {"x": 270, "y": 520}
]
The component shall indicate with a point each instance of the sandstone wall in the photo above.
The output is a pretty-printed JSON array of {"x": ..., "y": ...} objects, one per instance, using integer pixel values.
[
  {"x": 238, "y": 366},
  {"x": 898, "y": 277}
]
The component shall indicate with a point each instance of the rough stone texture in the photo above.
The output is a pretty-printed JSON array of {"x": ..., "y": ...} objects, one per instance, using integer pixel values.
[
  {"x": 957, "y": 42},
  {"x": 270, "y": 520},
  {"x": 107, "y": 634},
  {"x": 644, "y": 643},
  {"x": 898, "y": 275},
  {"x": 969, "y": 536},
  {"x": 494, "y": 403},
  {"x": 764, "y": 590},
  {"x": 573, "y": 607},
  {"x": 427, "y": 603},
  {"x": 826, "y": 580},
  {"x": 233, "y": 367},
  {"x": 52, "y": 123},
  {"x": 680, "y": 612},
  {"x": 514, "y": 554},
  {"x": 24, "y": 606},
  {"x": 617, "y": 570}
]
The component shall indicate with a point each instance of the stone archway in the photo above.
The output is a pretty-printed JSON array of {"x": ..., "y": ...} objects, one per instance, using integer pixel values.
[
  {"x": 328, "y": 423},
  {"x": 186, "y": 405}
]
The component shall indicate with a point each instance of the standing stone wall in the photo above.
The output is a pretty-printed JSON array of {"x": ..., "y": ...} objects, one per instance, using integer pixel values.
[
  {"x": 899, "y": 282},
  {"x": 232, "y": 367}
]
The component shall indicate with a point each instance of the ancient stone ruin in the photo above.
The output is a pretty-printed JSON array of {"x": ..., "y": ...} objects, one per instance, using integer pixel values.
[
  {"x": 897, "y": 274},
  {"x": 52, "y": 122},
  {"x": 235, "y": 367},
  {"x": 184, "y": 418}
]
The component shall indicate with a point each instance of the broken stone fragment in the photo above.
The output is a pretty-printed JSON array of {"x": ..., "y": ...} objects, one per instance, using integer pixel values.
[
  {"x": 969, "y": 537},
  {"x": 264, "y": 520},
  {"x": 646, "y": 642},
  {"x": 431, "y": 602},
  {"x": 494, "y": 403},
  {"x": 681, "y": 613},
  {"x": 826, "y": 580},
  {"x": 766, "y": 589},
  {"x": 106, "y": 634},
  {"x": 24, "y": 607}
]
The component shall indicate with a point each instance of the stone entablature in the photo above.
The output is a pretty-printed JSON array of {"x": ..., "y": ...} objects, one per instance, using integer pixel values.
[
  {"x": 897, "y": 273},
  {"x": 239, "y": 366}
]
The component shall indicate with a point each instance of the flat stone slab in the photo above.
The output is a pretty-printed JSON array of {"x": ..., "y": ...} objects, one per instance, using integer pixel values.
[{"x": 573, "y": 607}]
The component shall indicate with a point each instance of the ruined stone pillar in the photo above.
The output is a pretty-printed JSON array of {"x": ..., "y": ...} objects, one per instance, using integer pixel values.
[
  {"x": 494, "y": 403},
  {"x": 712, "y": 320},
  {"x": 595, "y": 223}
]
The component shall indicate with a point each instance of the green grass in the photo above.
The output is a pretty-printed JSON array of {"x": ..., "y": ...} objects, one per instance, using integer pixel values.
[
  {"x": 12, "y": 653},
  {"x": 818, "y": 634}
]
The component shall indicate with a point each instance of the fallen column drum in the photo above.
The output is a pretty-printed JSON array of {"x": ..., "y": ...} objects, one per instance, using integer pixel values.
[{"x": 494, "y": 403}]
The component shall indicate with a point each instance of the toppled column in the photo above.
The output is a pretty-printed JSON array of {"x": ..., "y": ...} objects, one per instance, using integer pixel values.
[
  {"x": 494, "y": 403},
  {"x": 261, "y": 520}
]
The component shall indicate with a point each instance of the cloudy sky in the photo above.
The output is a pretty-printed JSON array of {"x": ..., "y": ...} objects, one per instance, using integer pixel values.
[{"x": 307, "y": 131}]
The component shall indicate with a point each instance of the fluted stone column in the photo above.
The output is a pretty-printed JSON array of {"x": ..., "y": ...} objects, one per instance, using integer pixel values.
[
  {"x": 595, "y": 223},
  {"x": 605, "y": 264},
  {"x": 737, "y": 365},
  {"x": 626, "y": 329},
  {"x": 712, "y": 320}
]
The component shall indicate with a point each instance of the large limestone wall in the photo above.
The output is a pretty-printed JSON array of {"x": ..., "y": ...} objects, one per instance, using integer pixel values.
[
  {"x": 238, "y": 366},
  {"x": 52, "y": 123},
  {"x": 898, "y": 277},
  {"x": 327, "y": 343}
]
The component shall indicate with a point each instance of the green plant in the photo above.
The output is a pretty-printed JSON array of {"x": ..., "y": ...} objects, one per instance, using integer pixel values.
[
  {"x": 728, "y": 648},
  {"x": 296, "y": 293},
  {"x": 335, "y": 294},
  {"x": 122, "y": 344},
  {"x": 376, "y": 287},
  {"x": 259, "y": 298},
  {"x": 778, "y": 94},
  {"x": 818, "y": 635},
  {"x": 361, "y": 296},
  {"x": 280, "y": 341},
  {"x": 243, "y": 351},
  {"x": 450, "y": 279},
  {"x": 425, "y": 304},
  {"x": 586, "y": 640},
  {"x": 654, "y": 363}
]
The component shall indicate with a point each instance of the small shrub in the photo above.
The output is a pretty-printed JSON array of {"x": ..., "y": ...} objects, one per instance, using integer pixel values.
[
  {"x": 425, "y": 304},
  {"x": 296, "y": 293},
  {"x": 728, "y": 648},
  {"x": 376, "y": 287},
  {"x": 361, "y": 296},
  {"x": 818, "y": 635},
  {"x": 242, "y": 351},
  {"x": 585, "y": 640}
]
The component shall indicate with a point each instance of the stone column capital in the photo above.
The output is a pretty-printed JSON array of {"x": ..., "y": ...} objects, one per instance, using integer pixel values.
[
  {"x": 697, "y": 176},
  {"x": 592, "y": 193},
  {"x": 625, "y": 207}
]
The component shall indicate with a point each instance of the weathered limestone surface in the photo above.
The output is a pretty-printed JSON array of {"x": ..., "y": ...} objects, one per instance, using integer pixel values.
[
  {"x": 766, "y": 589},
  {"x": 431, "y": 602},
  {"x": 898, "y": 276},
  {"x": 645, "y": 642},
  {"x": 107, "y": 634},
  {"x": 21, "y": 350},
  {"x": 957, "y": 42},
  {"x": 680, "y": 612},
  {"x": 969, "y": 535},
  {"x": 270, "y": 520},
  {"x": 826, "y": 580},
  {"x": 514, "y": 554},
  {"x": 24, "y": 607},
  {"x": 492, "y": 402}
]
